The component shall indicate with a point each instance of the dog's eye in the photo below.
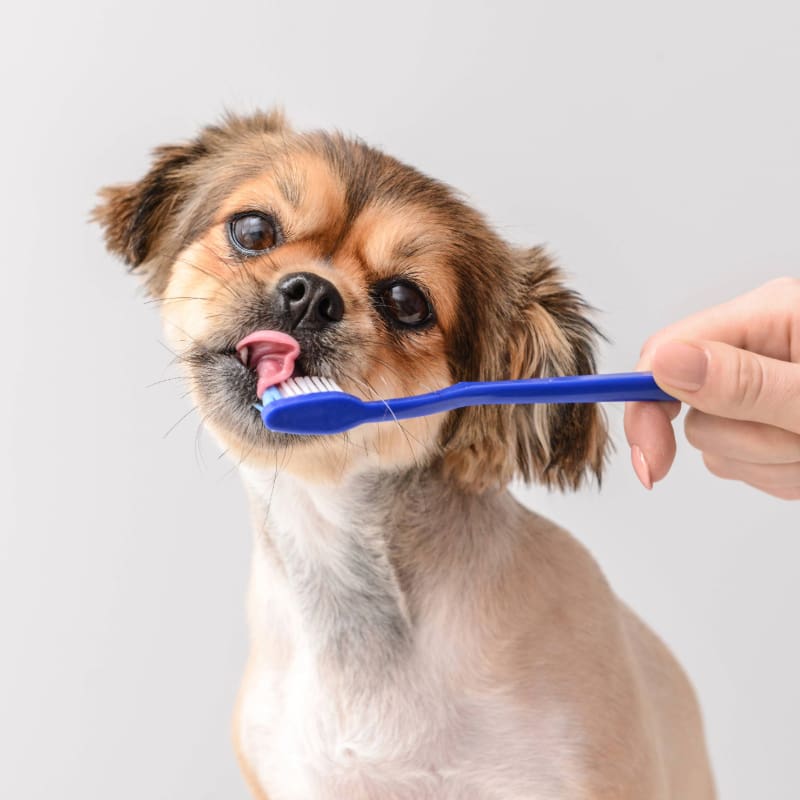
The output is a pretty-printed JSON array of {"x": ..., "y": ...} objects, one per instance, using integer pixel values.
[
  {"x": 404, "y": 304},
  {"x": 253, "y": 232}
]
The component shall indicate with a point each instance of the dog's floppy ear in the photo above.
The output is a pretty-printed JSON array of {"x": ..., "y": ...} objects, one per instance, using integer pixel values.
[
  {"x": 546, "y": 332},
  {"x": 141, "y": 220},
  {"x": 556, "y": 444},
  {"x": 136, "y": 217}
]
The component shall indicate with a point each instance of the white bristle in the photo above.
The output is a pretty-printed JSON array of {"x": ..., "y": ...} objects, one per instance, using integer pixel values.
[{"x": 307, "y": 384}]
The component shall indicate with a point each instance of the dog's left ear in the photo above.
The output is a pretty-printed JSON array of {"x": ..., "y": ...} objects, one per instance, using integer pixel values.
[
  {"x": 556, "y": 444},
  {"x": 545, "y": 332}
]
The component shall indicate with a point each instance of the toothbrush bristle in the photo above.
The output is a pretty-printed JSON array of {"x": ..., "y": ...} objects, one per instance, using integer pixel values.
[{"x": 292, "y": 387}]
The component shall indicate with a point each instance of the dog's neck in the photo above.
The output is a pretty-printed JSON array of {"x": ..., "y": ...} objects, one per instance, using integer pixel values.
[
  {"x": 331, "y": 545},
  {"x": 348, "y": 553}
]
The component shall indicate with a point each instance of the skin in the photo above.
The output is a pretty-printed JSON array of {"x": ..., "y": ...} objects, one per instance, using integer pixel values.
[{"x": 737, "y": 366}]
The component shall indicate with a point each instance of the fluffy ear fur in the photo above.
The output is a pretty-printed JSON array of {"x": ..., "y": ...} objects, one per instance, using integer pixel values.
[
  {"x": 548, "y": 334},
  {"x": 141, "y": 220},
  {"x": 136, "y": 216}
]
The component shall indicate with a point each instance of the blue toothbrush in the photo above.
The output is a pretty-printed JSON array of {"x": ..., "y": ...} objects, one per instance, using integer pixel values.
[{"x": 318, "y": 406}]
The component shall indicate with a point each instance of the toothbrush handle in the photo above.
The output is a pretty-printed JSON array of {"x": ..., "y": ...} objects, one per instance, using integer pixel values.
[{"x": 571, "y": 389}]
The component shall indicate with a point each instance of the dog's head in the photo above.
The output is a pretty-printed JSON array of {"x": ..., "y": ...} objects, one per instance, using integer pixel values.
[{"x": 389, "y": 284}]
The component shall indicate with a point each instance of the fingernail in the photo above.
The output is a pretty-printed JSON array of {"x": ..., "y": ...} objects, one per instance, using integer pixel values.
[
  {"x": 640, "y": 466},
  {"x": 681, "y": 365}
]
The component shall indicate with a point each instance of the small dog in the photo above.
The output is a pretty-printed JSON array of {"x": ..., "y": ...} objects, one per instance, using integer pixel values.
[{"x": 416, "y": 633}]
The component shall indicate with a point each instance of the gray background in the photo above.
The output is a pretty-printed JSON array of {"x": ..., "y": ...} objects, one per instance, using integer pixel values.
[{"x": 655, "y": 147}]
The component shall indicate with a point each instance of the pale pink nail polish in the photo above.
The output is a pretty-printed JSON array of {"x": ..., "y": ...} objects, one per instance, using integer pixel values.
[{"x": 640, "y": 467}]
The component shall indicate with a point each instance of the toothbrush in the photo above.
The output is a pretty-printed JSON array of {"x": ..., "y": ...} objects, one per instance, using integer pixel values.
[{"x": 310, "y": 405}]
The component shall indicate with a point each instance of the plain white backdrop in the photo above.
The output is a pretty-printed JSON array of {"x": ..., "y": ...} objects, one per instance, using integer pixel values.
[{"x": 654, "y": 147}]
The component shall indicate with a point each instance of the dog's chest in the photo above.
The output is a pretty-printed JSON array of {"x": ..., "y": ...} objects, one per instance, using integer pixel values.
[
  {"x": 345, "y": 698},
  {"x": 314, "y": 726},
  {"x": 401, "y": 746},
  {"x": 303, "y": 744}
]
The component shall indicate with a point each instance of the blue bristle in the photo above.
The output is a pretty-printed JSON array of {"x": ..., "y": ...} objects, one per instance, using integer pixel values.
[{"x": 271, "y": 394}]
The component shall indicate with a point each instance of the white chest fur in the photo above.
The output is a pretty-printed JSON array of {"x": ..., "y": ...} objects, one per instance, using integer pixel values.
[{"x": 341, "y": 701}]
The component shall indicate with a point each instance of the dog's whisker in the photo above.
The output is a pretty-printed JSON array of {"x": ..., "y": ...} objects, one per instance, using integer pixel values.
[
  {"x": 164, "y": 380},
  {"x": 227, "y": 286},
  {"x": 163, "y": 300},
  {"x": 167, "y": 348},
  {"x": 187, "y": 414},
  {"x": 364, "y": 383},
  {"x": 198, "y": 454}
]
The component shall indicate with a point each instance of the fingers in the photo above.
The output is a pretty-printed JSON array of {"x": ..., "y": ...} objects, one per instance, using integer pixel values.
[
  {"x": 783, "y": 494},
  {"x": 739, "y": 360},
  {"x": 762, "y": 456},
  {"x": 763, "y": 321},
  {"x": 741, "y": 440},
  {"x": 648, "y": 429},
  {"x": 729, "y": 382},
  {"x": 781, "y": 480}
]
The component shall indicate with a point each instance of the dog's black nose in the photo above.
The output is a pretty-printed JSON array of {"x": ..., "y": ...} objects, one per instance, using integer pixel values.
[{"x": 310, "y": 301}]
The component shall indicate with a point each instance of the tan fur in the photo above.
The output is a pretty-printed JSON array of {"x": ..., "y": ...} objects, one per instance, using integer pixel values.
[
  {"x": 250, "y": 777},
  {"x": 415, "y": 633}
]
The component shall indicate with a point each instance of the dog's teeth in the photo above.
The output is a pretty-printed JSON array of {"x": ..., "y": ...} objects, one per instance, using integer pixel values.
[{"x": 243, "y": 355}]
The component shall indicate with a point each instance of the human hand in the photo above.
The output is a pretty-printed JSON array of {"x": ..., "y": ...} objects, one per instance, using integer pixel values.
[{"x": 738, "y": 366}]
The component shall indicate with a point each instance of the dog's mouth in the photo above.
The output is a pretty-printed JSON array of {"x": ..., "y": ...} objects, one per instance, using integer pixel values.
[
  {"x": 271, "y": 355},
  {"x": 231, "y": 379}
]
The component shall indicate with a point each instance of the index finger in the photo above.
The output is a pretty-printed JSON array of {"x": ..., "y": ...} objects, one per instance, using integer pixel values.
[{"x": 765, "y": 321}]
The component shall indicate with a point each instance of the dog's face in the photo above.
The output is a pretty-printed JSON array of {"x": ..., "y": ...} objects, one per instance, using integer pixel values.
[{"x": 254, "y": 237}]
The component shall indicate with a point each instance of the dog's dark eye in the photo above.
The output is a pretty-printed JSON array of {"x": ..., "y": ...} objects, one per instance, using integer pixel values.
[
  {"x": 403, "y": 303},
  {"x": 253, "y": 232}
]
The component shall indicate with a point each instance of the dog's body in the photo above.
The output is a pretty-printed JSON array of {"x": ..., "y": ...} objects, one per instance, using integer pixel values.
[
  {"x": 415, "y": 632},
  {"x": 414, "y": 642}
]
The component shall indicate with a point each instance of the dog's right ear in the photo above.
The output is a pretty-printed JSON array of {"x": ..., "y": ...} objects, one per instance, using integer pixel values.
[
  {"x": 137, "y": 217},
  {"x": 141, "y": 220}
]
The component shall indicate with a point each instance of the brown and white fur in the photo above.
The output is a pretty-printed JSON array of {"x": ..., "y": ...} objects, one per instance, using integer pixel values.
[{"x": 415, "y": 632}]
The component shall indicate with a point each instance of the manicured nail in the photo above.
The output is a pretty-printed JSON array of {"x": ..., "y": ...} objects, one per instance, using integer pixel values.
[
  {"x": 640, "y": 466},
  {"x": 681, "y": 365}
]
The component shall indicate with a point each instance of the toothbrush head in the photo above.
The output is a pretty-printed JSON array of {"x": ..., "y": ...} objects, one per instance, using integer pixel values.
[{"x": 310, "y": 405}]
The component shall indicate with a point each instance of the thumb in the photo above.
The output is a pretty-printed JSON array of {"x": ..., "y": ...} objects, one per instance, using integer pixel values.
[{"x": 729, "y": 382}]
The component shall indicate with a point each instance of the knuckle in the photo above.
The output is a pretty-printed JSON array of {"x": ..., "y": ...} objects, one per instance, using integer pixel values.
[
  {"x": 650, "y": 345},
  {"x": 749, "y": 380},
  {"x": 783, "y": 297}
]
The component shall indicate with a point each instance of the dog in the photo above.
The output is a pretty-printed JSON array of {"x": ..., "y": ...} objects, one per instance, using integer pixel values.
[{"x": 415, "y": 632}]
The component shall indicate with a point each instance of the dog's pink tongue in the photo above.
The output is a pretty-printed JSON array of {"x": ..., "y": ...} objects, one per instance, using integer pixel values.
[
  {"x": 271, "y": 370},
  {"x": 272, "y": 355}
]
